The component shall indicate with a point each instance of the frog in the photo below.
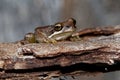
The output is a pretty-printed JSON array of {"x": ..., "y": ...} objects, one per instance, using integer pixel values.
[
  {"x": 52, "y": 33},
  {"x": 57, "y": 32}
]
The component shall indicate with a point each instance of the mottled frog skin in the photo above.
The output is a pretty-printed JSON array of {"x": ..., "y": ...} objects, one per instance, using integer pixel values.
[{"x": 52, "y": 33}]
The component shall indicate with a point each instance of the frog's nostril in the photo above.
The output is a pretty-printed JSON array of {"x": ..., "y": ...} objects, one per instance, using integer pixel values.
[{"x": 67, "y": 26}]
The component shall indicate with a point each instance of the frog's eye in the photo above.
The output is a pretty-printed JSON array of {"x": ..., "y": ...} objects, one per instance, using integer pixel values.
[{"x": 58, "y": 27}]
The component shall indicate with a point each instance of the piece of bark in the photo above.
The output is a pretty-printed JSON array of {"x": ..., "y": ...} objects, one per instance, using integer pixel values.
[{"x": 66, "y": 57}]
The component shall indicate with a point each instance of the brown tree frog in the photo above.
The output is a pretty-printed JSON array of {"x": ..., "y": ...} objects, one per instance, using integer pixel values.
[
  {"x": 56, "y": 32},
  {"x": 52, "y": 33}
]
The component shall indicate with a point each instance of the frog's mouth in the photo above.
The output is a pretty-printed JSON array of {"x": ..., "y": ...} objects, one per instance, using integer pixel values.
[{"x": 63, "y": 34}]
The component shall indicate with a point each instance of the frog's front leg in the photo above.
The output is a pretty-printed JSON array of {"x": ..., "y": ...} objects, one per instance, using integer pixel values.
[
  {"x": 49, "y": 40},
  {"x": 52, "y": 41},
  {"x": 75, "y": 37}
]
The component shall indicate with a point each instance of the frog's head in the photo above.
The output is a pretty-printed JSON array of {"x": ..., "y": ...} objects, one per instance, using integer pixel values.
[{"x": 63, "y": 30}]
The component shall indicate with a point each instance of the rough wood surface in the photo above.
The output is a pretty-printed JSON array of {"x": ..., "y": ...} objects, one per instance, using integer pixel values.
[{"x": 98, "y": 50}]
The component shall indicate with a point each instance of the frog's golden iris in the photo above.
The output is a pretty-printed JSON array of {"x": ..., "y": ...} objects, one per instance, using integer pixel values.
[{"x": 58, "y": 27}]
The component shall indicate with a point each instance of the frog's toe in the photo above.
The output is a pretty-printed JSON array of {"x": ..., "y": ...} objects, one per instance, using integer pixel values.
[
  {"x": 75, "y": 38},
  {"x": 53, "y": 41}
]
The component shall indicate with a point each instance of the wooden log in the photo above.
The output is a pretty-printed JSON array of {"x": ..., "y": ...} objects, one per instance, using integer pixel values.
[{"x": 98, "y": 50}]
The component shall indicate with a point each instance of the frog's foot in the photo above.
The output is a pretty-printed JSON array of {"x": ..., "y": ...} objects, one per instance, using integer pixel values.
[
  {"x": 75, "y": 38},
  {"x": 51, "y": 41}
]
